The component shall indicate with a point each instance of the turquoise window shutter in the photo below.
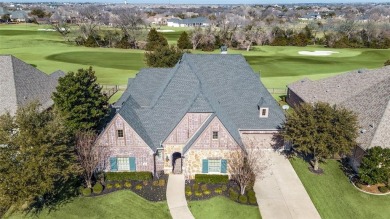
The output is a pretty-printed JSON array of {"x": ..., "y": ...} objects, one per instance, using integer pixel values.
[
  {"x": 113, "y": 164},
  {"x": 132, "y": 163},
  {"x": 205, "y": 166},
  {"x": 223, "y": 166}
]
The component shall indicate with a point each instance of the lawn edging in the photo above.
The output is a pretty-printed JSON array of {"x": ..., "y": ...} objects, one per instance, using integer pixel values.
[{"x": 369, "y": 193}]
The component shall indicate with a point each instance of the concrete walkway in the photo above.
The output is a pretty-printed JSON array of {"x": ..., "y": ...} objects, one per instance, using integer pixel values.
[
  {"x": 176, "y": 198},
  {"x": 280, "y": 194}
]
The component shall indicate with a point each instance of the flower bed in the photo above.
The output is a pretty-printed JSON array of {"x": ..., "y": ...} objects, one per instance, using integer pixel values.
[
  {"x": 195, "y": 191},
  {"x": 151, "y": 190}
]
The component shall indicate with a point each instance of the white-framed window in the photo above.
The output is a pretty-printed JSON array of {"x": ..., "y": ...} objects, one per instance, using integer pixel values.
[
  {"x": 263, "y": 112},
  {"x": 215, "y": 135},
  {"x": 119, "y": 133},
  {"x": 214, "y": 166},
  {"x": 123, "y": 164}
]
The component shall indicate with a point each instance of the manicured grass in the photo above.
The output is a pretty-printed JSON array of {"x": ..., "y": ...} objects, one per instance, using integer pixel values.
[
  {"x": 278, "y": 66},
  {"x": 221, "y": 207},
  {"x": 120, "y": 204},
  {"x": 334, "y": 197}
]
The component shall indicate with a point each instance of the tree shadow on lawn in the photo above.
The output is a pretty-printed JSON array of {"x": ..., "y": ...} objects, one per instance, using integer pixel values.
[{"x": 64, "y": 192}]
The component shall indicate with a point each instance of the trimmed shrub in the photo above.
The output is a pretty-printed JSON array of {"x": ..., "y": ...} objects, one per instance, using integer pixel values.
[
  {"x": 196, "y": 187},
  {"x": 224, "y": 188},
  {"x": 383, "y": 189},
  {"x": 118, "y": 185},
  {"x": 161, "y": 182},
  {"x": 206, "y": 192},
  {"x": 198, "y": 194},
  {"x": 252, "y": 200},
  {"x": 97, "y": 188},
  {"x": 233, "y": 195},
  {"x": 203, "y": 187},
  {"x": 118, "y": 176},
  {"x": 188, "y": 193},
  {"x": 86, "y": 191},
  {"x": 127, "y": 184},
  {"x": 213, "y": 179},
  {"x": 188, "y": 188},
  {"x": 155, "y": 183},
  {"x": 109, "y": 186},
  {"x": 243, "y": 199},
  {"x": 218, "y": 191},
  {"x": 251, "y": 193},
  {"x": 138, "y": 187}
]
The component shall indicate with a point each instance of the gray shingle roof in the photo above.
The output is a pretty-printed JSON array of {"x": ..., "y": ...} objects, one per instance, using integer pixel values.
[
  {"x": 21, "y": 83},
  {"x": 221, "y": 84},
  {"x": 189, "y": 20},
  {"x": 366, "y": 92}
]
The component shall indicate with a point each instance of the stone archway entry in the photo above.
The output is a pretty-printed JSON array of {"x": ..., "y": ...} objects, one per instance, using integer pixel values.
[{"x": 176, "y": 163}]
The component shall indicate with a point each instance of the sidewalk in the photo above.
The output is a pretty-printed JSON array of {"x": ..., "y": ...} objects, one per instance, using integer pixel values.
[
  {"x": 176, "y": 199},
  {"x": 280, "y": 194}
]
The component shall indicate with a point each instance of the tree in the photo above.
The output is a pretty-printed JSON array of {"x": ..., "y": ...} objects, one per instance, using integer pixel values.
[
  {"x": 35, "y": 156},
  {"x": 91, "y": 156},
  {"x": 163, "y": 56},
  {"x": 375, "y": 166},
  {"x": 80, "y": 100},
  {"x": 131, "y": 24},
  {"x": 184, "y": 41},
  {"x": 246, "y": 166},
  {"x": 320, "y": 130},
  {"x": 154, "y": 40},
  {"x": 38, "y": 12},
  {"x": 387, "y": 62}
]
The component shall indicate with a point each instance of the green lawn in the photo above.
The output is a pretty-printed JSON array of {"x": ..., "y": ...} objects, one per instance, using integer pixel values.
[
  {"x": 278, "y": 66},
  {"x": 334, "y": 197},
  {"x": 221, "y": 207},
  {"x": 121, "y": 204}
]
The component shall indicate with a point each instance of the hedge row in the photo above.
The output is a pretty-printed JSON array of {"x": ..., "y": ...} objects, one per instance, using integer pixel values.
[
  {"x": 118, "y": 176},
  {"x": 213, "y": 179}
]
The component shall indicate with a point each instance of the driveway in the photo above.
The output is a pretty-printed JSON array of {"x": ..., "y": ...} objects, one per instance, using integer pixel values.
[{"x": 280, "y": 194}]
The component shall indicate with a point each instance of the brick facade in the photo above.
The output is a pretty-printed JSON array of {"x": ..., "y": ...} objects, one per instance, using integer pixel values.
[{"x": 130, "y": 145}]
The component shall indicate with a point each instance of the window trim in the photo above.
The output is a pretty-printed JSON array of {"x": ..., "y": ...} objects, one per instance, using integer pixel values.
[
  {"x": 117, "y": 133},
  {"x": 216, "y": 135},
  {"x": 261, "y": 112}
]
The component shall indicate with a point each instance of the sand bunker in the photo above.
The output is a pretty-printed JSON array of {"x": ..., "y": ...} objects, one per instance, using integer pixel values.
[
  {"x": 46, "y": 30},
  {"x": 316, "y": 53},
  {"x": 164, "y": 31}
]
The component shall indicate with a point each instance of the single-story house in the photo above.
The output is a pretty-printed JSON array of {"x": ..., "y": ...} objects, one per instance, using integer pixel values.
[
  {"x": 366, "y": 92},
  {"x": 188, "y": 22},
  {"x": 19, "y": 16},
  {"x": 192, "y": 117},
  {"x": 21, "y": 83}
]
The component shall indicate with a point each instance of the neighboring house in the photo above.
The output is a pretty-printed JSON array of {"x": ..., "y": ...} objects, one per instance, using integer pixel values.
[
  {"x": 311, "y": 16},
  {"x": 188, "y": 22},
  {"x": 21, "y": 83},
  {"x": 366, "y": 92},
  {"x": 192, "y": 117},
  {"x": 19, "y": 16}
]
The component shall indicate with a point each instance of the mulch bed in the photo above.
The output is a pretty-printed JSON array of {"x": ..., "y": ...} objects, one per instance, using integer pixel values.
[
  {"x": 318, "y": 172},
  {"x": 154, "y": 190},
  {"x": 207, "y": 191}
]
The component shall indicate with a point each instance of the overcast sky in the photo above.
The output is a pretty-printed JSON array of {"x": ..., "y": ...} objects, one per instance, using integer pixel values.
[{"x": 207, "y": 1}]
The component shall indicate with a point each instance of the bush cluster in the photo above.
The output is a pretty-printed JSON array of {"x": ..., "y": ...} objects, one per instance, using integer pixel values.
[
  {"x": 97, "y": 188},
  {"x": 383, "y": 189},
  {"x": 212, "y": 179},
  {"x": 252, "y": 197},
  {"x": 118, "y": 176},
  {"x": 127, "y": 184},
  {"x": 86, "y": 191},
  {"x": 243, "y": 199},
  {"x": 233, "y": 194}
]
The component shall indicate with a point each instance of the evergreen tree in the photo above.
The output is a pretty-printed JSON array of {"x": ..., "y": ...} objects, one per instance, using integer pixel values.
[
  {"x": 154, "y": 40},
  {"x": 184, "y": 41},
  {"x": 375, "y": 166},
  {"x": 35, "y": 156},
  {"x": 163, "y": 57},
  {"x": 321, "y": 131},
  {"x": 80, "y": 100}
]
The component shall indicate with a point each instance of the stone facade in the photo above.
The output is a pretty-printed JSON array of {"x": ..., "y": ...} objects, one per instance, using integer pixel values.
[
  {"x": 205, "y": 147},
  {"x": 130, "y": 145}
]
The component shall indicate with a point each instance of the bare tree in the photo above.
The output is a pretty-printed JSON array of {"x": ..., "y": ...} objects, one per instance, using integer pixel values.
[
  {"x": 90, "y": 154},
  {"x": 246, "y": 166},
  {"x": 59, "y": 22},
  {"x": 131, "y": 24}
]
